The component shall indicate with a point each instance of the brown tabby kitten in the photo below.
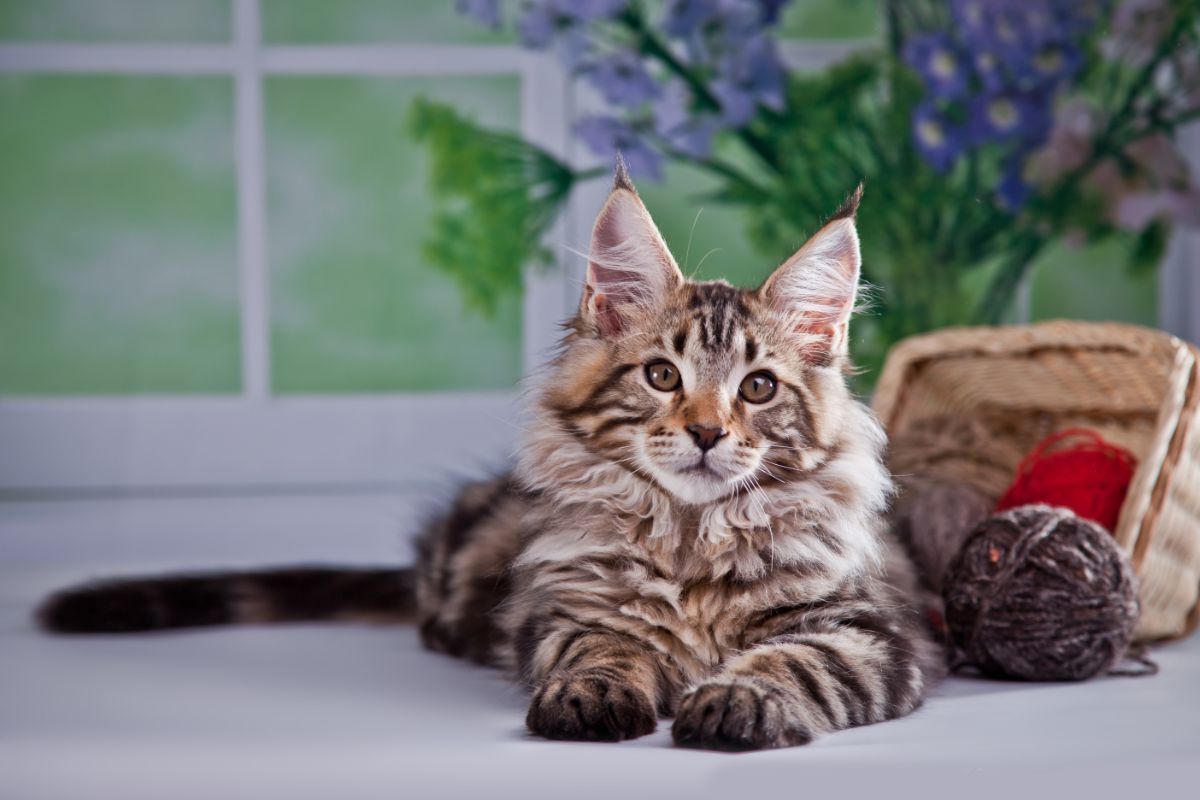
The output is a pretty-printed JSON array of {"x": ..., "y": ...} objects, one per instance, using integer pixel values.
[{"x": 693, "y": 527}]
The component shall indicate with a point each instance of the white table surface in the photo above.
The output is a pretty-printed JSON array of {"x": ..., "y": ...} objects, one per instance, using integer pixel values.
[{"x": 354, "y": 712}]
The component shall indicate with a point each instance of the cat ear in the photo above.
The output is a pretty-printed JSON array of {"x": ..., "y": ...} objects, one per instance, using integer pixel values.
[
  {"x": 817, "y": 286},
  {"x": 630, "y": 269}
]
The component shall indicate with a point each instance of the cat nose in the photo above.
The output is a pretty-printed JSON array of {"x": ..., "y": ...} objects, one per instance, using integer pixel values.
[{"x": 706, "y": 436}]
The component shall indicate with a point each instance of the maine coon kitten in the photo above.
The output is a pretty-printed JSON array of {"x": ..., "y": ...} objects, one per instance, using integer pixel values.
[{"x": 693, "y": 527}]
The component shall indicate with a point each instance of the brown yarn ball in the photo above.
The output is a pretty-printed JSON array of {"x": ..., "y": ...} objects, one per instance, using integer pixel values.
[
  {"x": 932, "y": 518},
  {"x": 1036, "y": 593}
]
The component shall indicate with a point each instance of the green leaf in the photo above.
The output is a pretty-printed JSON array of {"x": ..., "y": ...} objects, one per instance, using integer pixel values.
[
  {"x": 1147, "y": 249},
  {"x": 495, "y": 196}
]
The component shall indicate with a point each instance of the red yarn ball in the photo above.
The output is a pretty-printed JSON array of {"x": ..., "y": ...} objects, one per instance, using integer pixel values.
[{"x": 1076, "y": 469}]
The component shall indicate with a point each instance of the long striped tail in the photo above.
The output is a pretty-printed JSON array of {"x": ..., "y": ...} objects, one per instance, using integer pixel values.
[{"x": 292, "y": 594}]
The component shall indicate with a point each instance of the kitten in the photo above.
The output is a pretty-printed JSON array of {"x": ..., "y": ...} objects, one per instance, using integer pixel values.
[{"x": 693, "y": 528}]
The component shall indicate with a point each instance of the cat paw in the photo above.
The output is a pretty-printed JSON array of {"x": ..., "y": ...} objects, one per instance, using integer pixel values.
[
  {"x": 735, "y": 716},
  {"x": 587, "y": 706}
]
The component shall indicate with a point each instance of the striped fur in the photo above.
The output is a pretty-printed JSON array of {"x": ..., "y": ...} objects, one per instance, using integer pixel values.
[
  {"x": 622, "y": 571},
  {"x": 294, "y": 594},
  {"x": 761, "y": 602}
]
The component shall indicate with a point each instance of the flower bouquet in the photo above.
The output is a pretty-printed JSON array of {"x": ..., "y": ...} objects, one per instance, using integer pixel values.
[{"x": 984, "y": 130}]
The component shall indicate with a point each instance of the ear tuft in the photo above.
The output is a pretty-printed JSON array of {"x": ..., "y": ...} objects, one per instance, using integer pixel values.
[
  {"x": 849, "y": 207},
  {"x": 621, "y": 179},
  {"x": 630, "y": 269},
  {"x": 815, "y": 289}
]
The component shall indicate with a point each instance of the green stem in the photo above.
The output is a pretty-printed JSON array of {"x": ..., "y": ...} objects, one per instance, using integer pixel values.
[
  {"x": 998, "y": 298},
  {"x": 722, "y": 168}
]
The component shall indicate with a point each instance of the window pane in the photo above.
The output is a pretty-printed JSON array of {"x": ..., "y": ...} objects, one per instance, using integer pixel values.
[
  {"x": 1093, "y": 283},
  {"x": 117, "y": 235},
  {"x": 115, "y": 20},
  {"x": 831, "y": 19},
  {"x": 354, "y": 307},
  {"x": 421, "y": 21}
]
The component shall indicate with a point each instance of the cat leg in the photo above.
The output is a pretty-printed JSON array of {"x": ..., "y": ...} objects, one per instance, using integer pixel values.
[
  {"x": 463, "y": 564},
  {"x": 794, "y": 686},
  {"x": 596, "y": 685}
]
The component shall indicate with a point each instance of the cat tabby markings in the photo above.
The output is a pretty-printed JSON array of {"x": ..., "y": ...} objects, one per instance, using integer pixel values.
[{"x": 693, "y": 526}]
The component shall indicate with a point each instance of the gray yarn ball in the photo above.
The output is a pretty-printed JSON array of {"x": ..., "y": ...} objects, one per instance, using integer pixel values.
[{"x": 1036, "y": 593}]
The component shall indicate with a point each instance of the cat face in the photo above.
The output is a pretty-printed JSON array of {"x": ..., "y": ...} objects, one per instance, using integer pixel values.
[{"x": 701, "y": 388}]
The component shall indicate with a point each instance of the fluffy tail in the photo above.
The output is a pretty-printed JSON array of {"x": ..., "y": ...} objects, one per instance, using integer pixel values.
[{"x": 295, "y": 594}]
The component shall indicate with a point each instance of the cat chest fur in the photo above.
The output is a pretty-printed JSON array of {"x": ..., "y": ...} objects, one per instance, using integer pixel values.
[{"x": 684, "y": 595}]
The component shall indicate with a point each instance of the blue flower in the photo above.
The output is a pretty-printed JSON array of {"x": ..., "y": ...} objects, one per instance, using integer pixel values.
[
  {"x": 622, "y": 79},
  {"x": 1055, "y": 62},
  {"x": 695, "y": 136},
  {"x": 939, "y": 141},
  {"x": 970, "y": 16},
  {"x": 751, "y": 75},
  {"x": 1009, "y": 116},
  {"x": 607, "y": 136},
  {"x": 683, "y": 128},
  {"x": 589, "y": 10},
  {"x": 989, "y": 69},
  {"x": 1016, "y": 183},
  {"x": 536, "y": 26},
  {"x": 684, "y": 17},
  {"x": 941, "y": 64},
  {"x": 712, "y": 29},
  {"x": 485, "y": 12},
  {"x": 737, "y": 102}
]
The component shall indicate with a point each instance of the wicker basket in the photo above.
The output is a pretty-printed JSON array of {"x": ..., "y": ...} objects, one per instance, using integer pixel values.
[{"x": 1138, "y": 388}]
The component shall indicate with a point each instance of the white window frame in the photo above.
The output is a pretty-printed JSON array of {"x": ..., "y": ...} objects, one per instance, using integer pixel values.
[
  {"x": 256, "y": 439},
  {"x": 260, "y": 441}
]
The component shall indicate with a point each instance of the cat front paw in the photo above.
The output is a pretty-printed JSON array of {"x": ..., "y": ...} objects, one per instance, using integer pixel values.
[
  {"x": 736, "y": 716},
  {"x": 589, "y": 706}
]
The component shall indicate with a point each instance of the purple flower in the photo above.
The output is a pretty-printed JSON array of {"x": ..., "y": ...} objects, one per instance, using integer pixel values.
[
  {"x": 684, "y": 17},
  {"x": 712, "y": 29},
  {"x": 737, "y": 102},
  {"x": 622, "y": 79},
  {"x": 750, "y": 75},
  {"x": 537, "y": 26},
  {"x": 695, "y": 136},
  {"x": 683, "y": 128},
  {"x": 565, "y": 24},
  {"x": 1055, "y": 62},
  {"x": 1009, "y": 116},
  {"x": 1016, "y": 183},
  {"x": 588, "y": 10},
  {"x": 938, "y": 60},
  {"x": 989, "y": 69},
  {"x": 607, "y": 136},
  {"x": 1005, "y": 24},
  {"x": 485, "y": 12},
  {"x": 939, "y": 141}
]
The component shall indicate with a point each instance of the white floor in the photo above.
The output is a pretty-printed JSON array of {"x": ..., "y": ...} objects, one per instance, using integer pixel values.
[{"x": 342, "y": 712}]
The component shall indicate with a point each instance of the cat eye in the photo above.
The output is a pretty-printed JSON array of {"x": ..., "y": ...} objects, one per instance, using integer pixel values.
[
  {"x": 662, "y": 375},
  {"x": 758, "y": 387}
]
